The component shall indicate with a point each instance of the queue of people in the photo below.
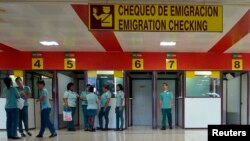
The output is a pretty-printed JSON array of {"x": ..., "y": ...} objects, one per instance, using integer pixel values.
[{"x": 92, "y": 106}]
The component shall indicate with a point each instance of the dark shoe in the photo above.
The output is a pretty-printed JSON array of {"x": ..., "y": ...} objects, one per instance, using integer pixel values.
[
  {"x": 121, "y": 129},
  {"x": 105, "y": 129},
  {"x": 163, "y": 128},
  {"x": 171, "y": 127},
  {"x": 39, "y": 136},
  {"x": 86, "y": 129},
  {"x": 29, "y": 133},
  {"x": 117, "y": 129},
  {"x": 23, "y": 135},
  {"x": 72, "y": 129},
  {"x": 15, "y": 138},
  {"x": 53, "y": 135},
  {"x": 92, "y": 130}
]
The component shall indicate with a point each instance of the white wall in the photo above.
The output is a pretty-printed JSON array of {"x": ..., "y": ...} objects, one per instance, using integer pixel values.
[{"x": 200, "y": 112}]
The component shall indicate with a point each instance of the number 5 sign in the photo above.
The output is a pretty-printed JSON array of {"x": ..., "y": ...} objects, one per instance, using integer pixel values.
[
  {"x": 171, "y": 64},
  {"x": 69, "y": 63},
  {"x": 137, "y": 64}
]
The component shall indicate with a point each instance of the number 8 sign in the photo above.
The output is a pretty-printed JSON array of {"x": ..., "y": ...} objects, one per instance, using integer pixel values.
[
  {"x": 137, "y": 64},
  {"x": 237, "y": 64}
]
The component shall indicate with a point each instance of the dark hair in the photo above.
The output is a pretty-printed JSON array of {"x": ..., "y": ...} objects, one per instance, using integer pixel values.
[
  {"x": 106, "y": 86},
  {"x": 88, "y": 85},
  {"x": 165, "y": 83},
  {"x": 7, "y": 81},
  {"x": 18, "y": 78},
  {"x": 70, "y": 85},
  {"x": 41, "y": 82},
  {"x": 91, "y": 88},
  {"x": 120, "y": 86}
]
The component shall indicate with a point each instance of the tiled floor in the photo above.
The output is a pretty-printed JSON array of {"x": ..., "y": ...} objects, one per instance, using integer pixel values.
[{"x": 132, "y": 134}]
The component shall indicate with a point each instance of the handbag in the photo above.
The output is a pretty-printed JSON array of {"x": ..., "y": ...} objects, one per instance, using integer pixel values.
[
  {"x": 20, "y": 103},
  {"x": 67, "y": 116}
]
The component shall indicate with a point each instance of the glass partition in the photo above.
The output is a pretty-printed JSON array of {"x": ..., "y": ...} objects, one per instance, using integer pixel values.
[{"x": 202, "y": 84}]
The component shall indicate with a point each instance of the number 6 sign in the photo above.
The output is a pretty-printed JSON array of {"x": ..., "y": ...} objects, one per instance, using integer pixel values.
[{"x": 137, "y": 64}]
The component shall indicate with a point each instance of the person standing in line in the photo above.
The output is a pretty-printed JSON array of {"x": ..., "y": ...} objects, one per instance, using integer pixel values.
[
  {"x": 25, "y": 94},
  {"x": 92, "y": 107},
  {"x": 11, "y": 108},
  {"x": 70, "y": 99},
  {"x": 45, "y": 110},
  {"x": 120, "y": 105},
  {"x": 105, "y": 107},
  {"x": 166, "y": 102},
  {"x": 84, "y": 106}
]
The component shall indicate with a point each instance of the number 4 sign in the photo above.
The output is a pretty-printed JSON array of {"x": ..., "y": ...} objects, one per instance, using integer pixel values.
[{"x": 37, "y": 63}]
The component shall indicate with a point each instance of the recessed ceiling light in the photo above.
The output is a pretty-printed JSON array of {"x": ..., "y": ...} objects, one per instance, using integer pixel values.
[
  {"x": 164, "y": 43},
  {"x": 206, "y": 73},
  {"x": 49, "y": 43}
]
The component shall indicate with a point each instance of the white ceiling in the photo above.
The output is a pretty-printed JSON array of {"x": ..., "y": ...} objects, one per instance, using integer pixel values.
[{"x": 29, "y": 23}]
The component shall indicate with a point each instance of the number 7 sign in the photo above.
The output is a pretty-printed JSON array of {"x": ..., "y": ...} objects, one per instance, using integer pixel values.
[{"x": 171, "y": 64}]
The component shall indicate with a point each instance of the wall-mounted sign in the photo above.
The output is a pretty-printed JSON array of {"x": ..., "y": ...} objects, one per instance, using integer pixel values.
[
  {"x": 137, "y": 61},
  {"x": 150, "y": 17},
  {"x": 69, "y": 61},
  {"x": 37, "y": 61},
  {"x": 171, "y": 61},
  {"x": 237, "y": 62}
]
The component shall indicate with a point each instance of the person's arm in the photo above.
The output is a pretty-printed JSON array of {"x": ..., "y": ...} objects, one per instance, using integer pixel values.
[
  {"x": 28, "y": 93},
  {"x": 65, "y": 99},
  {"x": 95, "y": 14},
  {"x": 42, "y": 98},
  {"x": 17, "y": 93},
  {"x": 172, "y": 100},
  {"x": 108, "y": 101},
  {"x": 160, "y": 100},
  {"x": 122, "y": 100}
]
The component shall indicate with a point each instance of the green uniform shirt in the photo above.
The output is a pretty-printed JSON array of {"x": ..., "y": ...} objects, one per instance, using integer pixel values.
[
  {"x": 91, "y": 100},
  {"x": 166, "y": 97},
  {"x": 119, "y": 98},
  {"x": 44, "y": 104},
  {"x": 11, "y": 95},
  {"x": 84, "y": 100},
  {"x": 72, "y": 97},
  {"x": 104, "y": 98},
  {"x": 25, "y": 91}
]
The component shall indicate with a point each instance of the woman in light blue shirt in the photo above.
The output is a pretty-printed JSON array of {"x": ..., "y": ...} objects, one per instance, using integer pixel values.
[
  {"x": 45, "y": 110},
  {"x": 120, "y": 103},
  {"x": 84, "y": 106},
  {"x": 11, "y": 108},
  {"x": 70, "y": 99},
  {"x": 105, "y": 107},
  {"x": 92, "y": 107}
]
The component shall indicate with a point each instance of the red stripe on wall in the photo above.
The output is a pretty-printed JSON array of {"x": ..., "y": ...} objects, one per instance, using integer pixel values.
[
  {"x": 240, "y": 29},
  {"x": 122, "y": 61},
  {"x": 106, "y": 38},
  {"x": 4, "y": 47}
]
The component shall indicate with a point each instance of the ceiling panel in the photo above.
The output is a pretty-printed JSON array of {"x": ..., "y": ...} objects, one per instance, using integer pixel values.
[{"x": 29, "y": 23}]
